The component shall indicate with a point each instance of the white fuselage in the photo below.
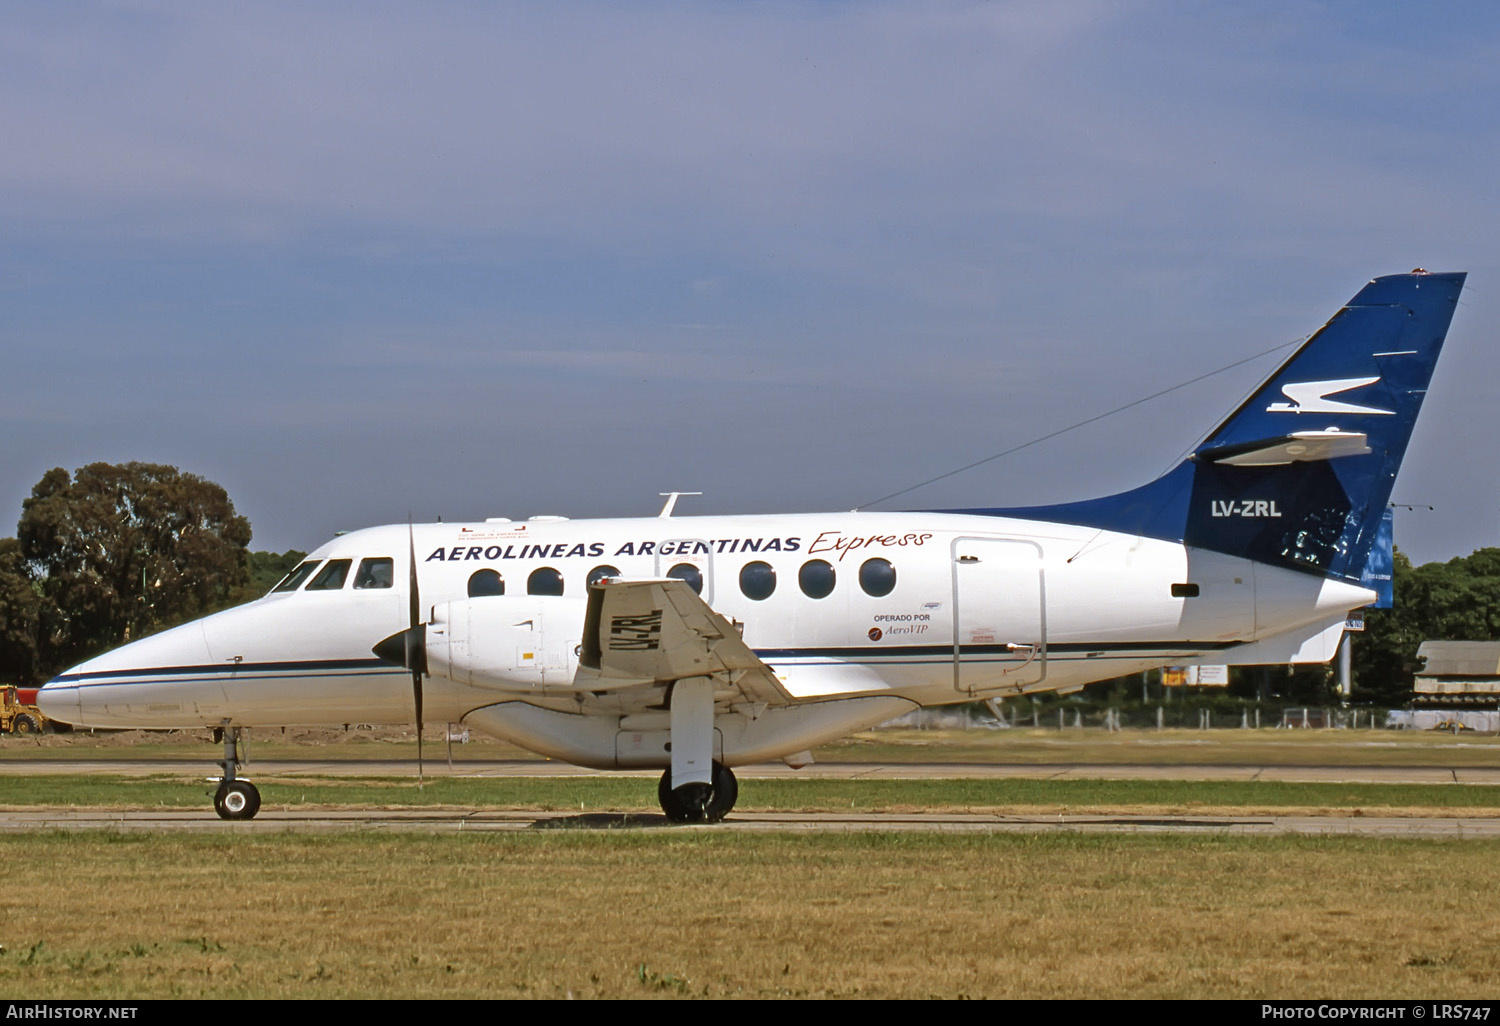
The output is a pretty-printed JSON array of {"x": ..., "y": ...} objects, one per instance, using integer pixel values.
[{"x": 979, "y": 607}]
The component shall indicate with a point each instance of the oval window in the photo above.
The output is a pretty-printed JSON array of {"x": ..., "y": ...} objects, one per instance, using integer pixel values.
[
  {"x": 600, "y": 572},
  {"x": 544, "y": 580},
  {"x": 690, "y": 573},
  {"x": 816, "y": 578},
  {"x": 757, "y": 580},
  {"x": 486, "y": 582},
  {"x": 877, "y": 577}
]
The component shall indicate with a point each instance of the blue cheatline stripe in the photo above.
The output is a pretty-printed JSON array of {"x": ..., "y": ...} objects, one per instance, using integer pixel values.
[
  {"x": 216, "y": 671},
  {"x": 889, "y": 655},
  {"x": 946, "y": 651}
]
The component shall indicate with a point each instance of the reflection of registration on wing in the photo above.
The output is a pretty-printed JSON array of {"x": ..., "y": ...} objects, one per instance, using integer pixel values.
[{"x": 696, "y": 644}]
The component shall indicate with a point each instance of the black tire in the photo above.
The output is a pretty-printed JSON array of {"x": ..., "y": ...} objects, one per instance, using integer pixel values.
[
  {"x": 237, "y": 799},
  {"x": 690, "y": 804},
  {"x": 726, "y": 793},
  {"x": 25, "y": 723}
]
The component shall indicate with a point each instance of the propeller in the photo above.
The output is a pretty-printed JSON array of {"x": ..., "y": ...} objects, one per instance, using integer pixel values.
[
  {"x": 408, "y": 648},
  {"x": 416, "y": 643}
]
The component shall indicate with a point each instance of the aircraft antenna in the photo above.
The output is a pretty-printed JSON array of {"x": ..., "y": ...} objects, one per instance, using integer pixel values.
[
  {"x": 671, "y": 497},
  {"x": 1079, "y": 424}
]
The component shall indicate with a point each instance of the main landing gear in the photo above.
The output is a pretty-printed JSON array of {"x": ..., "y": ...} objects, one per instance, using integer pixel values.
[
  {"x": 696, "y": 788},
  {"x": 235, "y": 798},
  {"x": 699, "y": 803}
]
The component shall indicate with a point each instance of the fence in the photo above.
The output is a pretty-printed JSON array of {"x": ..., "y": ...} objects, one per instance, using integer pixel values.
[
  {"x": 1222, "y": 714},
  {"x": 1485, "y": 720}
]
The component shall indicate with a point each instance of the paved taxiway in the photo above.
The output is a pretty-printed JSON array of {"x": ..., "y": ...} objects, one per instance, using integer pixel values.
[
  {"x": 439, "y": 821},
  {"x": 1369, "y": 774},
  {"x": 469, "y": 820}
]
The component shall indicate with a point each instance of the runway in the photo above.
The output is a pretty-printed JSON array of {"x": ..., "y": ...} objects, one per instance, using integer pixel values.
[
  {"x": 498, "y": 768},
  {"x": 477, "y": 768},
  {"x": 448, "y": 821},
  {"x": 468, "y": 820}
]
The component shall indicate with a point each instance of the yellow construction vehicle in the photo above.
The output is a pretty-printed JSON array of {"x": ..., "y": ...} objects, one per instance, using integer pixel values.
[{"x": 18, "y": 711}]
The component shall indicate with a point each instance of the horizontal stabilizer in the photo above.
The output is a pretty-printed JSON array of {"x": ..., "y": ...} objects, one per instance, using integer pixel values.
[
  {"x": 1299, "y": 474},
  {"x": 1297, "y": 447},
  {"x": 1314, "y": 643}
]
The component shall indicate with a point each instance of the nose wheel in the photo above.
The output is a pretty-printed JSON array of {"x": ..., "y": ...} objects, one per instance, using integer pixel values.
[
  {"x": 699, "y": 803},
  {"x": 235, "y": 798}
]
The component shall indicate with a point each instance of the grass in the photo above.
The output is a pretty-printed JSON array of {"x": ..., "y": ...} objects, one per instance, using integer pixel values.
[
  {"x": 1221, "y": 747},
  {"x": 671, "y": 914},
  {"x": 1227, "y": 747},
  {"x": 634, "y": 794}
]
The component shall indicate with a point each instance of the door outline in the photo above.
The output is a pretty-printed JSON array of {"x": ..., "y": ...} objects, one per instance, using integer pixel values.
[{"x": 1028, "y": 666}]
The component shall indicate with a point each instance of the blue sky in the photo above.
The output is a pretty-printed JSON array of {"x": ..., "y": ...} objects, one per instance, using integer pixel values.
[{"x": 360, "y": 260}]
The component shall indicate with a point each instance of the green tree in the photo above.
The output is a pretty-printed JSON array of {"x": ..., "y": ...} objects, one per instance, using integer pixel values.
[
  {"x": 20, "y": 612},
  {"x": 1454, "y": 601},
  {"x": 121, "y": 551},
  {"x": 266, "y": 571}
]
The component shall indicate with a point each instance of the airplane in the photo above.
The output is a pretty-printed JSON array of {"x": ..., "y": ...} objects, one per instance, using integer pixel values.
[{"x": 697, "y": 644}]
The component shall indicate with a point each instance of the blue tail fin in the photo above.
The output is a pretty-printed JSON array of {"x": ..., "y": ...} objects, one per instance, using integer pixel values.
[{"x": 1301, "y": 473}]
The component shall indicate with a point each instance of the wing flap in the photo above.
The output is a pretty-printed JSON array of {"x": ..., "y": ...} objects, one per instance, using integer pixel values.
[{"x": 657, "y": 631}]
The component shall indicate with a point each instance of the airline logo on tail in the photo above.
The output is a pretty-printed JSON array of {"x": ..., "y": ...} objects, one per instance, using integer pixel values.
[{"x": 1312, "y": 397}]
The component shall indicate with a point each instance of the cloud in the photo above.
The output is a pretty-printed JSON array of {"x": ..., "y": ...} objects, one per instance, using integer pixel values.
[{"x": 773, "y": 225}]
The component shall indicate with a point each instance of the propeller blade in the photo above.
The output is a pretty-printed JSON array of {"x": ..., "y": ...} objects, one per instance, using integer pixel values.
[{"x": 415, "y": 647}]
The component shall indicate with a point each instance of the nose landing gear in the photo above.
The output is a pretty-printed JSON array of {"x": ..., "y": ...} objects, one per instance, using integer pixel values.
[{"x": 235, "y": 798}]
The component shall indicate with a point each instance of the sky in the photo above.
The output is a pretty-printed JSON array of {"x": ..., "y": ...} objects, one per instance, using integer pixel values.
[{"x": 360, "y": 262}]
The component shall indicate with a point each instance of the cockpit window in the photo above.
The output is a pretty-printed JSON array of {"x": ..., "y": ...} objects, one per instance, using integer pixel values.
[
  {"x": 293, "y": 580},
  {"x": 331, "y": 577},
  {"x": 377, "y": 572}
]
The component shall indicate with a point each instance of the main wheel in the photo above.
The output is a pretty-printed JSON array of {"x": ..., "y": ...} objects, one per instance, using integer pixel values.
[
  {"x": 699, "y": 803},
  {"x": 237, "y": 799}
]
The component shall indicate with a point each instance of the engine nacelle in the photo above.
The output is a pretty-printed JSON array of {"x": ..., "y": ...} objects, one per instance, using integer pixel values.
[{"x": 512, "y": 643}]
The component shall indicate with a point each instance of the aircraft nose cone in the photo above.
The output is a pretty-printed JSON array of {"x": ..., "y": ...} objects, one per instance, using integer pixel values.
[
  {"x": 142, "y": 684},
  {"x": 58, "y": 700}
]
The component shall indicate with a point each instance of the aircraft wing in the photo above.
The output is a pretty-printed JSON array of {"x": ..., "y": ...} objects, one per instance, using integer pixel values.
[{"x": 656, "y": 631}]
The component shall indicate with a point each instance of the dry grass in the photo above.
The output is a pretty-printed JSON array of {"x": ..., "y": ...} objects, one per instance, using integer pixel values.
[
  {"x": 1174, "y": 747},
  {"x": 689, "y": 913},
  {"x": 611, "y": 793},
  {"x": 1092, "y": 746}
]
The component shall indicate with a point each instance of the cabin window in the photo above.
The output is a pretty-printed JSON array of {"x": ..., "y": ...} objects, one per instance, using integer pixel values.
[
  {"x": 757, "y": 580},
  {"x": 599, "y": 573},
  {"x": 816, "y": 578},
  {"x": 877, "y": 577},
  {"x": 483, "y": 583},
  {"x": 293, "y": 580},
  {"x": 544, "y": 580},
  {"x": 1184, "y": 591},
  {"x": 690, "y": 573},
  {"x": 377, "y": 572},
  {"x": 331, "y": 577}
]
